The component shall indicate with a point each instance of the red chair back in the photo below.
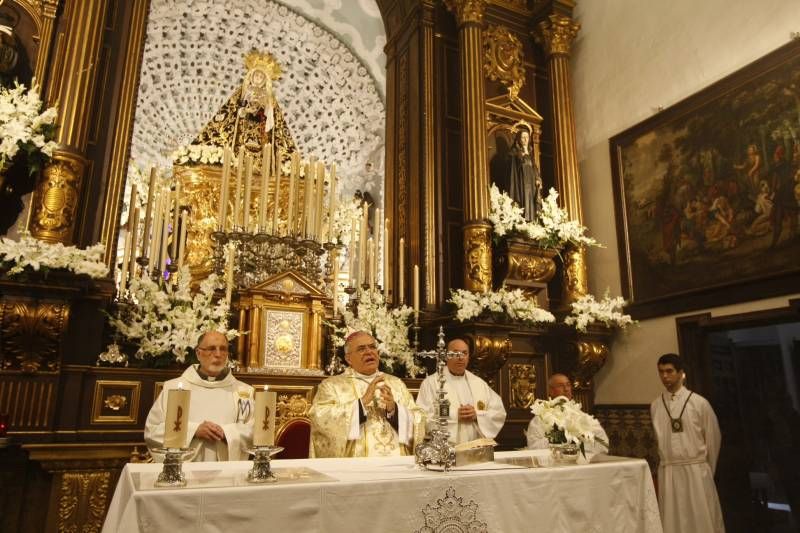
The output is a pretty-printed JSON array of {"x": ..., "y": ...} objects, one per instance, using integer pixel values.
[{"x": 294, "y": 436}]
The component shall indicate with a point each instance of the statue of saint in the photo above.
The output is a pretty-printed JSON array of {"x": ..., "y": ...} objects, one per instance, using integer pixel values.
[{"x": 523, "y": 182}]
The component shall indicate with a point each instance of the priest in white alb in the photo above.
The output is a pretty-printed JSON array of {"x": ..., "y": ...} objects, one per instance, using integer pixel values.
[
  {"x": 476, "y": 411},
  {"x": 364, "y": 412},
  {"x": 560, "y": 385},
  {"x": 220, "y": 425},
  {"x": 688, "y": 437}
]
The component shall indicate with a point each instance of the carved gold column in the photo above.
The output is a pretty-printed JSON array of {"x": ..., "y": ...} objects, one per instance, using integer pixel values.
[
  {"x": 428, "y": 154},
  {"x": 477, "y": 231},
  {"x": 556, "y": 35},
  {"x": 55, "y": 200},
  {"x": 49, "y": 9}
]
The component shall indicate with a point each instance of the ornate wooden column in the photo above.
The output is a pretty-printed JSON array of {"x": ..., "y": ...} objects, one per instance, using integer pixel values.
[
  {"x": 56, "y": 198},
  {"x": 49, "y": 9},
  {"x": 556, "y": 35},
  {"x": 477, "y": 230}
]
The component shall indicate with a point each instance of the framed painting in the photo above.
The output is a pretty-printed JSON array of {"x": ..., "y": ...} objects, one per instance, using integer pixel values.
[{"x": 707, "y": 193}]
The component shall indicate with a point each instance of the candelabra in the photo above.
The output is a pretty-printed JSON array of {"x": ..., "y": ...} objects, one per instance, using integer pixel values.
[{"x": 437, "y": 450}]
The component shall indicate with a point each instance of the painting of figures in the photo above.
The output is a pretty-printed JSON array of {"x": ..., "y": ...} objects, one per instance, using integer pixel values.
[{"x": 708, "y": 192}]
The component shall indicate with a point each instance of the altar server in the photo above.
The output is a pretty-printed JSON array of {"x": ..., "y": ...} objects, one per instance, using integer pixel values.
[
  {"x": 560, "y": 385},
  {"x": 364, "y": 412},
  {"x": 688, "y": 439},
  {"x": 476, "y": 411},
  {"x": 220, "y": 424}
]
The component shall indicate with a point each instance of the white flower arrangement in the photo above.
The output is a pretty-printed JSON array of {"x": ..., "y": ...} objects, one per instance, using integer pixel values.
[
  {"x": 388, "y": 326},
  {"x": 552, "y": 228},
  {"x": 608, "y": 311},
  {"x": 562, "y": 421},
  {"x": 202, "y": 154},
  {"x": 343, "y": 218},
  {"x": 34, "y": 254},
  {"x": 24, "y": 126},
  {"x": 167, "y": 319},
  {"x": 513, "y": 304}
]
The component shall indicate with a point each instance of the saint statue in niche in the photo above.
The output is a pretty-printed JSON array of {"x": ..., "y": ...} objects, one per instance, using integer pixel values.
[{"x": 518, "y": 175}]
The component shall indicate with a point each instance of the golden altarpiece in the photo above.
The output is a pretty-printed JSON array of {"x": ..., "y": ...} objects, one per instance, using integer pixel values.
[{"x": 460, "y": 75}]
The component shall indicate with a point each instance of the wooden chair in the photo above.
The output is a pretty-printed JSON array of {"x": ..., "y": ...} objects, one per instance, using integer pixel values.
[{"x": 294, "y": 436}]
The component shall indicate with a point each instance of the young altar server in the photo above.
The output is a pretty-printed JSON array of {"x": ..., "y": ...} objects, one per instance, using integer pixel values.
[
  {"x": 364, "y": 412},
  {"x": 688, "y": 439},
  {"x": 476, "y": 411},
  {"x": 220, "y": 419}
]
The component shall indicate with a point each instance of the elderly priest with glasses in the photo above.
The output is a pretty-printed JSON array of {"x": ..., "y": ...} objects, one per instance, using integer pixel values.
[
  {"x": 364, "y": 412},
  {"x": 476, "y": 411},
  {"x": 220, "y": 420}
]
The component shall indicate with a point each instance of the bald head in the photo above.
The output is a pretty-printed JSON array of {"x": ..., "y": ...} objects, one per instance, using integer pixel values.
[{"x": 559, "y": 385}]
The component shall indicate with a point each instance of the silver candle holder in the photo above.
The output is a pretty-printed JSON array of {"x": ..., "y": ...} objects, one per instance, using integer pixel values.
[
  {"x": 172, "y": 475},
  {"x": 261, "y": 471}
]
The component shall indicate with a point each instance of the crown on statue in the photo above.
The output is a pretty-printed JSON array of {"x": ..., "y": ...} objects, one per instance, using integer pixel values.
[
  {"x": 522, "y": 125},
  {"x": 255, "y": 60}
]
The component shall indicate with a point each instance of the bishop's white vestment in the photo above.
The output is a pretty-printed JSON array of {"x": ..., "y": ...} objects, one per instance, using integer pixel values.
[
  {"x": 337, "y": 429},
  {"x": 227, "y": 402},
  {"x": 687, "y": 496},
  {"x": 467, "y": 389}
]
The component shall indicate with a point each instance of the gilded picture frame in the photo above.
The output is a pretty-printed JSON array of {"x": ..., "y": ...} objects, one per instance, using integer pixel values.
[{"x": 699, "y": 189}]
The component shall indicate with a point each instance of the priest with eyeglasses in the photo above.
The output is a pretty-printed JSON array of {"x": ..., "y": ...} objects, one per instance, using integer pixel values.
[
  {"x": 220, "y": 425},
  {"x": 364, "y": 412}
]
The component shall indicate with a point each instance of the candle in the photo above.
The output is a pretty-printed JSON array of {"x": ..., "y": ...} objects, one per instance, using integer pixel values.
[
  {"x": 162, "y": 253},
  {"x": 296, "y": 227},
  {"x": 223, "y": 188},
  {"x": 155, "y": 244},
  {"x": 292, "y": 179},
  {"x": 319, "y": 197},
  {"x": 264, "y": 422},
  {"x": 134, "y": 240},
  {"x": 384, "y": 270},
  {"x": 335, "y": 288},
  {"x": 229, "y": 275},
  {"x": 182, "y": 240},
  {"x": 277, "y": 170},
  {"x": 132, "y": 204},
  {"x": 238, "y": 194},
  {"x": 248, "y": 191},
  {"x": 332, "y": 203},
  {"x": 177, "y": 422},
  {"x": 176, "y": 212},
  {"x": 308, "y": 187},
  {"x": 123, "y": 276},
  {"x": 351, "y": 252},
  {"x": 401, "y": 275},
  {"x": 362, "y": 244},
  {"x": 149, "y": 210},
  {"x": 266, "y": 162},
  {"x": 416, "y": 293}
]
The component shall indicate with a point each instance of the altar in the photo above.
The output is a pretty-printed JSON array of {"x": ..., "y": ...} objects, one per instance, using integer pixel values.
[{"x": 391, "y": 494}]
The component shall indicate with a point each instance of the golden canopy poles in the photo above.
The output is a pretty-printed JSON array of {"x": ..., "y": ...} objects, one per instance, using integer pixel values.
[
  {"x": 477, "y": 230},
  {"x": 556, "y": 35}
]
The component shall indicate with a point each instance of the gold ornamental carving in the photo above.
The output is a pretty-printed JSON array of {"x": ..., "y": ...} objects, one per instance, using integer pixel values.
[
  {"x": 523, "y": 385},
  {"x": 83, "y": 500},
  {"x": 557, "y": 34},
  {"x": 402, "y": 148},
  {"x": 592, "y": 355},
  {"x": 502, "y": 58},
  {"x": 477, "y": 257},
  {"x": 31, "y": 334},
  {"x": 489, "y": 356},
  {"x": 575, "y": 276},
  {"x": 523, "y": 267},
  {"x": 56, "y": 198},
  {"x": 291, "y": 406},
  {"x": 115, "y": 402},
  {"x": 467, "y": 11}
]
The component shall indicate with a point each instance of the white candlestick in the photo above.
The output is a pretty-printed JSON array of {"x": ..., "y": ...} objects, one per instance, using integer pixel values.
[
  {"x": 183, "y": 250},
  {"x": 362, "y": 245},
  {"x": 229, "y": 276},
  {"x": 176, "y": 425},
  {"x": 238, "y": 194},
  {"x": 155, "y": 239},
  {"x": 401, "y": 272},
  {"x": 384, "y": 263},
  {"x": 132, "y": 204},
  {"x": 248, "y": 191},
  {"x": 134, "y": 229},
  {"x": 123, "y": 275},
  {"x": 351, "y": 253},
  {"x": 319, "y": 202},
  {"x": 335, "y": 288},
  {"x": 277, "y": 171},
  {"x": 332, "y": 204},
  {"x": 162, "y": 254},
  {"x": 176, "y": 213},
  {"x": 292, "y": 186},
  {"x": 148, "y": 214},
  {"x": 266, "y": 165},
  {"x": 264, "y": 422},
  {"x": 371, "y": 263},
  {"x": 223, "y": 189},
  {"x": 416, "y": 293}
]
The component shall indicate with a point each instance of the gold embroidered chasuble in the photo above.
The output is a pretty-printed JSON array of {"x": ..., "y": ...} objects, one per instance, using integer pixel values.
[{"x": 334, "y": 419}]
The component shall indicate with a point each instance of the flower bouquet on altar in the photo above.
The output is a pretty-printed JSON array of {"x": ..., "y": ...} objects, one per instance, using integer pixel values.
[
  {"x": 608, "y": 311},
  {"x": 33, "y": 255},
  {"x": 512, "y": 305},
  {"x": 565, "y": 425}
]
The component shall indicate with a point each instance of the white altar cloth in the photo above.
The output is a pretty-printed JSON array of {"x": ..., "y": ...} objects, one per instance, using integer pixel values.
[{"x": 390, "y": 495}]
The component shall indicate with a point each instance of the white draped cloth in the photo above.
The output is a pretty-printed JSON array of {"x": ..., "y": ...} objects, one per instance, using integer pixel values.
[
  {"x": 467, "y": 389},
  {"x": 227, "y": 402},
  {"x": 537, "y": 439},
  {"x": 687, "y": 495}
]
